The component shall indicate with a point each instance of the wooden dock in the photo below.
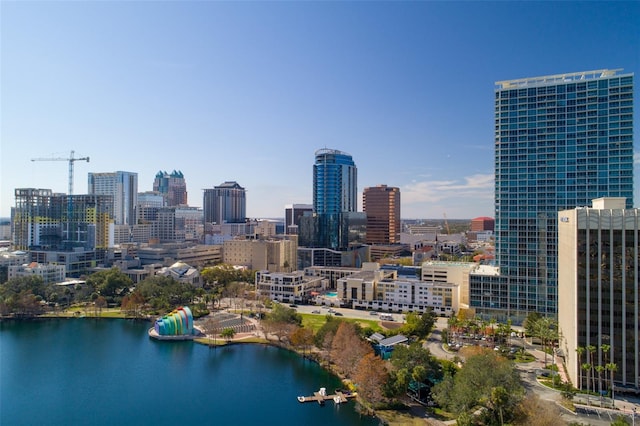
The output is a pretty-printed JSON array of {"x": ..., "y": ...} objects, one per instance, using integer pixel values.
[{"x": 320, "y": 397}]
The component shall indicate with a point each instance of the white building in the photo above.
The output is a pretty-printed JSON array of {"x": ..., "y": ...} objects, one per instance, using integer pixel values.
[
  {"x": 50, "y": 273},
  {"x": 289, "y": 287},
  {"x": 398, "y": 295},
  {"x": 123, "y": 187},
  {"x": 181, "y": 272}
]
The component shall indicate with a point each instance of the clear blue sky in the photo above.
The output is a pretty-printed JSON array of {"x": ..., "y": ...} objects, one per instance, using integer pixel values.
[{"x": 248, "y": 91}]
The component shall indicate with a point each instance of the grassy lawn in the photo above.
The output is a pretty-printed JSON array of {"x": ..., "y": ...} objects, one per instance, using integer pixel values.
[
  {"x": 222, "y": 342},
  {"x": 315, "y": 321},
  {"x": 79, "y": 311}
]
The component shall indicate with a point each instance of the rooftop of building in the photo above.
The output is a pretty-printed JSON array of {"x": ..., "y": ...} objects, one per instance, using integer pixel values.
[
  {"x": 556, "y": 78},
  {"x": 486, "y": 270}
]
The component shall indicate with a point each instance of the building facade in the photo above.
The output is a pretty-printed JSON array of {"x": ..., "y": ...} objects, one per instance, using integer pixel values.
[
  {"x": 123, "y": 188},
  {"x": 43, "y": 220},
  {"x": 451, "y": 273},
  {"x": 382, "y": 205},
  {"x": 288, "y": 287},
  {"x": 51, "y": 273},
  {"x": 560, "y": 141},
  {"x": 225, "y": 203},
  {"x": 172, "y": 186},
  {"x": 335, "y": 195},
  {"x": 292, "y": 215},
  {"x": 483, "y": 223},
  {"x": 599, "y": 300},
  {"x": 273, "y": 254}
]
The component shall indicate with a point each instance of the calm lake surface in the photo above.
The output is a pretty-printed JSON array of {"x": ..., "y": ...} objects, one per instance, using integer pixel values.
[{"x": 109, "y": 372}]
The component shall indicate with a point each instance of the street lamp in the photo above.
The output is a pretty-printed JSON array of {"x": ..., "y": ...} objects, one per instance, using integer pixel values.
[{"x": 633, "y": 417}]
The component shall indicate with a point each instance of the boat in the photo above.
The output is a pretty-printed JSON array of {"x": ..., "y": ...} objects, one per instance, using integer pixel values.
[
  {"x": 337, "y": 399},
  {"x": 301, "y": 399}
]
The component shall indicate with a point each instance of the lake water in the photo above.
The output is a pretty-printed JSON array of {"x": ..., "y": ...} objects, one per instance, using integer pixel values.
[{"x": 109, "y": 372}]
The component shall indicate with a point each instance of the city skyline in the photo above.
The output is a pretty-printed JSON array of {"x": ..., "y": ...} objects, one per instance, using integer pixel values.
[{"x": 248, "y": 92}]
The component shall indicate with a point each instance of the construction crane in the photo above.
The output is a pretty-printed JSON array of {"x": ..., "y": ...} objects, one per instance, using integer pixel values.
[
  {"x": 69, "y": 221},
  {"x": 446, "y": 223},
  {"x": 72, "y": 159}
]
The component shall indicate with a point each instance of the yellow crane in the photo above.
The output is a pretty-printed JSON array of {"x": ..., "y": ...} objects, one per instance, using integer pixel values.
[
  {"x": 72, "y": 159},
  {"x": 446, "y": 224}
]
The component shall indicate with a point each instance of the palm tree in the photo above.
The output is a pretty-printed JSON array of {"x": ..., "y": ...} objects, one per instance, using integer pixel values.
[
  {"x": 612, "y": 367},
  {"x": 600, "y": 369},
  {"x": 592, "y": 349},
  {"x": 580, "y": 350},
  {"x": 605, "y": 351},
  {"x": 228, "y": 334},
  {"x": 587, "y": 367}
]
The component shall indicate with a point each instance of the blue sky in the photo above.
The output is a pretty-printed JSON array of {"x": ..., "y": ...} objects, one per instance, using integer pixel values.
[{"x": 248, "y": 91}]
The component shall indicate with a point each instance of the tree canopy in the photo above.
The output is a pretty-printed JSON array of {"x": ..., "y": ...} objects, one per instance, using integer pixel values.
[{"x": 487, "y": 380}]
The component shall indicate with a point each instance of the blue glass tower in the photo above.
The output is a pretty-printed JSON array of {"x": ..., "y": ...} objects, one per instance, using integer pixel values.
[
  {"x": 560, "y": 142},
  {"x": 335, "y": 193}
]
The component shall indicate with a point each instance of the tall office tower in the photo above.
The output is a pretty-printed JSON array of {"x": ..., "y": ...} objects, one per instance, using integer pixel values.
[
  {"x": 172, "y": 186},
  {"x": 335, "y": 193},
  {"x": 123, "y": 187},
  {"x": 292, "y": 215},
  {"x": 560, "y": 141},
  {"x": 226, "y": 203},
  {"x": 382, "y": 205},
  {"x": 598, "y": 295}
]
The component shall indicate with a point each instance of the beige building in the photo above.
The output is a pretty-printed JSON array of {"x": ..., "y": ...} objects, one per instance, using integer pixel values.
[
  {"x": 273, "y": 255},
  {"x": 598, "y": 295},
  {"x": 452, "y": 273}
]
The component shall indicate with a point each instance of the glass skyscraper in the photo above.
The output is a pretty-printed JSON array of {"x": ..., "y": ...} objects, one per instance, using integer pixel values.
[
  {"x": 335, "y": 199},
  {"x": 560, "y": 142},
  {"x": 335, "y": 188}
]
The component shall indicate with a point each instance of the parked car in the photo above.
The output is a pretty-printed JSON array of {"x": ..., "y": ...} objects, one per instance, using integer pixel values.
[
  {"x": 338, "y": 314},
  {"x": 315, "y": 311},
  {"x": 373, "y": 313}
]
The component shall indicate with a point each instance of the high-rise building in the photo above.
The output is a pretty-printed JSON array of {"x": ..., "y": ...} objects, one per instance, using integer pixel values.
[
  {"x": 172, "y": 186},
  {"x": 123, "y": 187},
  {"x": 292, "y": 215},
  {"x": 225, "y": 203},
  {"x": 483, "y": 223},
  {"x": 382, "y": 205},
  {"x": 335, "y": 194},
  {"x": 335, "y": 182},
  {"x": 40, "y": 220},
  {"x": 598, "y": 295},
  {"x": 560, "y": 141}
]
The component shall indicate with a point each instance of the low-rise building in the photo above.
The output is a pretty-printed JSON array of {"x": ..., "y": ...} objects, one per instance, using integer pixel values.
[
  {"x": 182, "y": 272},
  {"x": 274, "y": 254},
  {"x": 293, "y": 287},
  {"x": 399, "y": 295},
  {"x": 50, "y": 273},
  {"x": 11, "y": 258},
  {"x": 450, "y": 272}
]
